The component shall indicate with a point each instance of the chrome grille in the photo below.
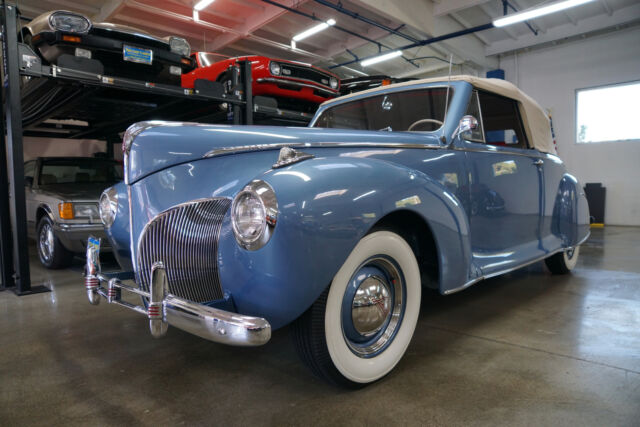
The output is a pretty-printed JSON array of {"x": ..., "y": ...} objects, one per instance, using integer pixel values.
[{"x": 185, "y": 238}]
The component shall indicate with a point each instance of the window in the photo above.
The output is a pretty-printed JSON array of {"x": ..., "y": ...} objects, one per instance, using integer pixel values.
[
  {"x": 473, "y": 109},
  {"x": 30, "y": 169},
  {"x": 415, "y": 110},
  {"x": 65, "y": 171},
  {"x": 608, "y": 113},
  {"x": 501, "y": 121}
]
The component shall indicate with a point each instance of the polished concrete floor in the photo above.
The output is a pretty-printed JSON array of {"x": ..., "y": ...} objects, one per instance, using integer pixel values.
[{"x": 527, "y": 348}]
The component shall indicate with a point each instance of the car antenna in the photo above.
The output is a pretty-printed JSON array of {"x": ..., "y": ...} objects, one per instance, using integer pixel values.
[{"x": 446, "y": 105}]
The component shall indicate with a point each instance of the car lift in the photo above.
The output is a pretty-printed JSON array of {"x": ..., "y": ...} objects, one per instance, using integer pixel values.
[{"x": 41, "y": 98}]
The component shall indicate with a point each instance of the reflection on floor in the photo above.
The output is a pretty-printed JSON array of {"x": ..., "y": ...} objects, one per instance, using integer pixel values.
[{"x": 526, "y": 348}]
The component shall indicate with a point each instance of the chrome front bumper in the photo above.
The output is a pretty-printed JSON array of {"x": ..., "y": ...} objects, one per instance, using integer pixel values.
[
  {"x": 164, "y": 309},
  {"x": 74, "y": 235}
]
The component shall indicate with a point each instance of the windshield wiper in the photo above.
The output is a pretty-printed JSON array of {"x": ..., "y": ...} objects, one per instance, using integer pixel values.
[{"x": 388, "y": 129}]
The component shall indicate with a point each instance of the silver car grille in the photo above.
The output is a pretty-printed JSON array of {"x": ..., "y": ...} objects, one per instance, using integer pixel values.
[{"x": 185, "y": 238}]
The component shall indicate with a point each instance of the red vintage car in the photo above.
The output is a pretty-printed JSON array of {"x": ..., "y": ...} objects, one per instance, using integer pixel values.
[{"x": 293, "y": 84}]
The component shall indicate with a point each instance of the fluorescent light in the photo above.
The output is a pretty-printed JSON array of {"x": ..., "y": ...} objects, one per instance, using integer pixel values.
[
  {"x": 196, "y": 15},
  {"x": 381, "y": 58},
  {"x": 313, "y": 30},
  {"x": 202, "y": 4},
  {"x": 293, "y": 44},
  {"x": 536, "y": 12},
  {"x": 353, "y": 70}
]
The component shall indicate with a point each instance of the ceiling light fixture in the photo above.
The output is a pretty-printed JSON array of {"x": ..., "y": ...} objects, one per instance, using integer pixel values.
[
  {"x": 196, "y": 15},
  {"x": 313, "y": 30},
  {"x": 380, "y": 58},
  {"x": 202, "y": 4},
  {"x": 537, "y": 12}
]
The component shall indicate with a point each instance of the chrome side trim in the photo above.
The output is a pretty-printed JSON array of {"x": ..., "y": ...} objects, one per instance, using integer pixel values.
[
  {"x": 265, "y": 147},
  {"x": 286, "y": 81},
  {"x": 510, "y": 269}
]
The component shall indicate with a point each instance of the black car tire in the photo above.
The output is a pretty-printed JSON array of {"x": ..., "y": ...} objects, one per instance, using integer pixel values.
[
  {"x": 50, "y": 250},
  {"x": 356, "y": 358},
  {"x": 563, "y": 262}
]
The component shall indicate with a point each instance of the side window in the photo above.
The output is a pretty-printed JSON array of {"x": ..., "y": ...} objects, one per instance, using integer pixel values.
[
  {"x": 473, "y": 109},
  {"x": 501, "y": 121},
  {"x": 30, "y": 169}
]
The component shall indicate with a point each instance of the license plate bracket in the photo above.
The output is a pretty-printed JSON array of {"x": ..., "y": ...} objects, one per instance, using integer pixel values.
[{"x": 137, "y": 54}]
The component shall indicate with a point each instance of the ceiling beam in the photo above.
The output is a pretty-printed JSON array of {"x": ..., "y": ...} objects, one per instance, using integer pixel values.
[
  {"x": 254, "y": 23},
  {"x": 570, "y": 17},
  {"x": 467, "y": 24},
  {"x": 491, "y": 15},
  {"x": 606, "y": 7},
  {"x": 107, "y": 10},
  {"x": 446, "y": 7},
  {"x": 595, "y": 23},
  {"x": 536, "y": 23},
  {"x": 413, "y": 13}
]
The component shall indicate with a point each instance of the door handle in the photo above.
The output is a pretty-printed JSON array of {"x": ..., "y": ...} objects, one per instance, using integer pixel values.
[{"x": 539, "y": 162}]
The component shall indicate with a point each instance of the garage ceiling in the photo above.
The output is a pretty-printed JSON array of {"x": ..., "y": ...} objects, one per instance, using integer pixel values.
[{"x": 234, "y": 27}]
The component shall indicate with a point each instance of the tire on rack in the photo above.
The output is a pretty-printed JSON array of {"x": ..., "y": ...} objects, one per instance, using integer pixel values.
[
  {"x": 360, "y": 327},
  {"x": 563, "y": 262},
  {"x": 50, "y": 250}
]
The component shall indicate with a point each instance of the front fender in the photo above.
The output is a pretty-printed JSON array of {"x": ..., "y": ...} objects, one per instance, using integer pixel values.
[
  {"x": 570, "y": 220},
  {"x": 326, "y": 206}
]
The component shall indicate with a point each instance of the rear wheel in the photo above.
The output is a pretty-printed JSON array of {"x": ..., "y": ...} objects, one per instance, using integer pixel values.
[
  {"x": 50, "y": 251},
  {"x": 360, "y": 327},
  {"x": 563, "y": 262}
]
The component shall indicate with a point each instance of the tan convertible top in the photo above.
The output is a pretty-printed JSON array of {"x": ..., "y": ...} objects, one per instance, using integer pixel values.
[{"x": 536, "y": 121}]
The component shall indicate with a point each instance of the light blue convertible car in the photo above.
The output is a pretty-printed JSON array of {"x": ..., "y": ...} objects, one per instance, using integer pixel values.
[{"x": 228, "y": 232}]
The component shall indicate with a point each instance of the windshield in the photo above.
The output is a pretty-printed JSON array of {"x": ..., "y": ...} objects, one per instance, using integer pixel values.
[
  {"x": 74, "y": 171},
  {"x": 415, "y": 110},
  {"x": 207, "y": 59}
]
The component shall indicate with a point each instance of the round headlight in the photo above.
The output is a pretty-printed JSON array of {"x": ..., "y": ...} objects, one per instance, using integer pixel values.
[
  {"x": 333, "y": 82},
  {"x": 253, "y": 215},
  {"x": 108, "y": 206},
  {"x": 69, "y": 22},
  {"x": 275, "y": 69}
]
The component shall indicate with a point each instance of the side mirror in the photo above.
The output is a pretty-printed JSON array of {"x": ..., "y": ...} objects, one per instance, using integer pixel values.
[
  {"x": 28, "y": 181},
  {"x": 466, "y": 125}
]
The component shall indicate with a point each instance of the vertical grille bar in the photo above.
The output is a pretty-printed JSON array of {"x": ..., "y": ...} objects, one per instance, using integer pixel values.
[{"x": 185, "y": 238}]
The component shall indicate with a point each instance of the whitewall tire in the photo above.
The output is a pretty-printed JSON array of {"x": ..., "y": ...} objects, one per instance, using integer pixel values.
[
  {"x": 563, "y": 262},
  {"x": 360, "y": 328}
]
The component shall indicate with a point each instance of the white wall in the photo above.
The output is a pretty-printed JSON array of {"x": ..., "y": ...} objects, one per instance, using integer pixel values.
[
  {"x": 50, "y": 147},
  {"x": 552, "y": 74}
]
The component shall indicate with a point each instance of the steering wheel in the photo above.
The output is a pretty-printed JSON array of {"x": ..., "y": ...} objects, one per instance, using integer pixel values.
[{"x": 421, "y": 121}]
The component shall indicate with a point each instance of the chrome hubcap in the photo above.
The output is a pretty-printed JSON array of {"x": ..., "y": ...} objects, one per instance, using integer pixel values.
[
  {"x": 371, "y": 306},
  {"x": 569, "y": 253},
  {"x": 46, "y": 241}
]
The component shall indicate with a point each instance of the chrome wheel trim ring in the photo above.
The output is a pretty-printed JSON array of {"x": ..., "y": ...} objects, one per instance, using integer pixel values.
[
  {"x": 366, "y": 342},
  {"x": 46, "y": 242}
]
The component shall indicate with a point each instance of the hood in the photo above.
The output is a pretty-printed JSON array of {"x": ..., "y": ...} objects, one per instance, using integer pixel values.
[
  {"x": 154, "y": 146},
  {"x": 89, "y": 191}
]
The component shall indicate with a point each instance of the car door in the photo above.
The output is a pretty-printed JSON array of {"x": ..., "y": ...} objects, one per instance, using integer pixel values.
[{"x": 506, "y": 188}]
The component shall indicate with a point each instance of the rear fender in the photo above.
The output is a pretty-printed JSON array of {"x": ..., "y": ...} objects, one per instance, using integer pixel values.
[
  {"x": 570, "y": 219},
  {"x": 326, "y": 206}
]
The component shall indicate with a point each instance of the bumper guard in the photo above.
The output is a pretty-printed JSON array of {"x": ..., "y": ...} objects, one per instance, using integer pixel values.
[{"x": 165, "y": 309}]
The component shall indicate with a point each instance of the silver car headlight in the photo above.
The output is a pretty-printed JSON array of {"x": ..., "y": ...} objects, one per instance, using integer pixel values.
[
  {"x": 254, "y": 214},
  {"x": 180, "y": 46},
  {"x": 85, "y": 210},
  {"x": 69, "y": 22},
  {"x": 108, "y": 206},
  {"x": 333, "y": 82},
  {"x": 275, "y": 68}
]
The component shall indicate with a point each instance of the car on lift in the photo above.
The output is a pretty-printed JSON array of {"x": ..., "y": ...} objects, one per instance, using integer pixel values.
[
  {"x": 358, "y": 84},
  {"x": 294, "y": 85},
  {"x": 69, "y": 39},
  {"x": 62, "y": 195},
  {"x": 229, "y": 231}
]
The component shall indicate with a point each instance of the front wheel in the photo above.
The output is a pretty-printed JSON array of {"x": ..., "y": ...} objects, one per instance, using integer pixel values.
[
  {"x": 50, "y": 251},
  {"x": 360, "y": 327},
  {"x": 563, "y": 262}
]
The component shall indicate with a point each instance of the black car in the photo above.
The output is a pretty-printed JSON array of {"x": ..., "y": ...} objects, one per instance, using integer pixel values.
[
  {"x": 123, "y": 51},
  {"x": 359, "y": 84}
]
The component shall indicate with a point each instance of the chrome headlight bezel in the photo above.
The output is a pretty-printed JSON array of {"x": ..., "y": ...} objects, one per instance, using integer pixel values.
[
  {"x": 264, "y": 194},
  {"x": 179, "y": 45},
  {"x": 80, "y": 29},
  {"x": 333, "y": 82},
  {"x": 108, "y": 206},
  {"x": 275, "y": 68}
]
